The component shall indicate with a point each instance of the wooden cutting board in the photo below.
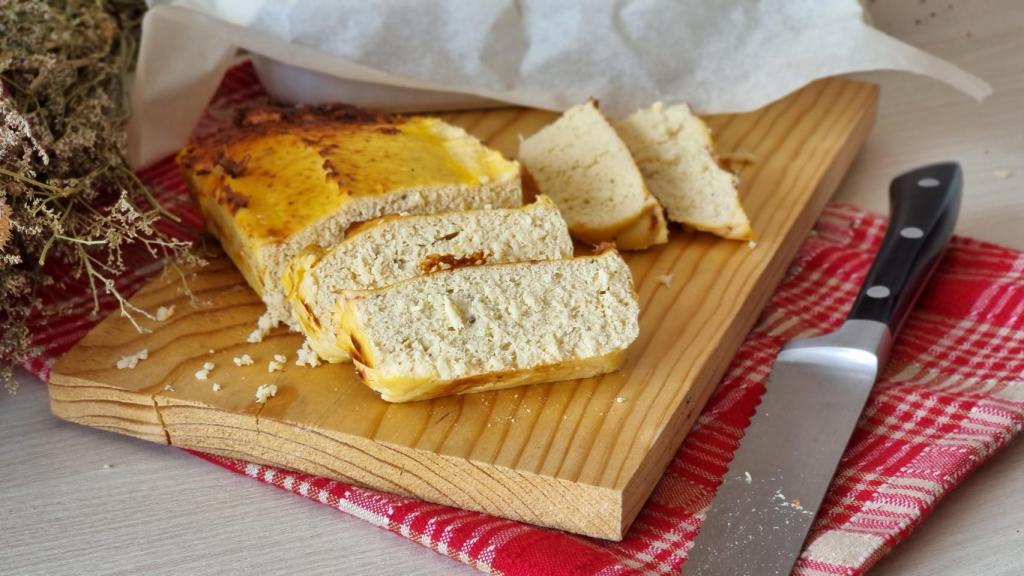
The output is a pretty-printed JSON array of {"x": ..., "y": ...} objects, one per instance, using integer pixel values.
[{"x": 582, "y": 456}]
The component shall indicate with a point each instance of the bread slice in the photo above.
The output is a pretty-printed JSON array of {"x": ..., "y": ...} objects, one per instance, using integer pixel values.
[
  {"x": 674, "y": 150},
  {"x": 580, "y": 161},
  {"x": 491, "y": 327},
  {"x": 281, "y": 179},
  {"x": 394, "y": 248}
]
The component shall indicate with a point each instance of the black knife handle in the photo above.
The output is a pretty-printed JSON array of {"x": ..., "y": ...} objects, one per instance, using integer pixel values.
[{"x": 924, "y": 204}]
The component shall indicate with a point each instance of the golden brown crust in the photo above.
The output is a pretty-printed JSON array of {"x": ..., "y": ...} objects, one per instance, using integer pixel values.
[
  {"x": 262, "y": 120},
  {"x": 413, "y": 389},
  {"x": 649, "y": 229}
]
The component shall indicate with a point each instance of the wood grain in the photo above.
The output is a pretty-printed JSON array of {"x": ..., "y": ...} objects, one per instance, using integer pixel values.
[{"x": 566, "y": 455}]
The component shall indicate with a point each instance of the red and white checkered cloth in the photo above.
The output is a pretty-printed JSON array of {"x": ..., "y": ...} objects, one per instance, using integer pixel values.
[{"x": 951, "y": 396}]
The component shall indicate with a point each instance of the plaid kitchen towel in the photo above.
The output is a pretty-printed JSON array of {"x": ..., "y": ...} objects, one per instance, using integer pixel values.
[{"x": 952, "y": 395}]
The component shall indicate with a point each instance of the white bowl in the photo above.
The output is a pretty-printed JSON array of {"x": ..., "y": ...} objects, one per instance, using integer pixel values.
[{"x": 294, "y": 85}]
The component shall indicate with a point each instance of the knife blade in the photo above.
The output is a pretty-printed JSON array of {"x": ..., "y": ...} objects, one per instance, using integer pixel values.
[{"x": 762, "y": 512}]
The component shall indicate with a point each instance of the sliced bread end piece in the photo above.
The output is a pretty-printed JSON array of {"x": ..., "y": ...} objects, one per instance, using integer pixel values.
[
  {"x": 491, "y": 327},
  {"x": 675, "y": 153},
  {"x": 583, "y": 165}
]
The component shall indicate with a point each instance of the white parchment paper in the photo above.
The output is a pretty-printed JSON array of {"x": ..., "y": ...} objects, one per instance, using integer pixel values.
[{"x": 719, "y": 55}]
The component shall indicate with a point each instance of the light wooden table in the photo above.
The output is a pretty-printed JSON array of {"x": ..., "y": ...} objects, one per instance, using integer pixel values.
[{"x": 161, "y": 511}]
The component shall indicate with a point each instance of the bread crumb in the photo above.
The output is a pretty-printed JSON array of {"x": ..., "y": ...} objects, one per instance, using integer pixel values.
[
  {"x": 664, "y": 279},
  {"x": 1004, "y": 174},
  {"x": 274, "y": 366},
  {"x": 243, "y": 360},
  {"x": 210, "y": 351},
  {"x": 164, "y": 312},
  {"x": 747, "y": 477},
  {"x": 216, "y": 387},
  {"x": 620, "y": 399},
  {"x": 305, "y": 356},
  {"x": 263, "y": 327},
  {"x": 108, "y": 466},
  {"x": 132, "y": 360},
  {"x": 752, "y": 244},
  {"x": 204, "y": 372},
  {"x": 168, "y": 388},
  {"x": 280, "y": 358},
  {"x": 266, "y": 392}
]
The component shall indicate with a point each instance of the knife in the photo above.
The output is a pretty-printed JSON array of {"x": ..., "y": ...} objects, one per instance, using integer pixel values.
[{"x": 817, "y": 389}]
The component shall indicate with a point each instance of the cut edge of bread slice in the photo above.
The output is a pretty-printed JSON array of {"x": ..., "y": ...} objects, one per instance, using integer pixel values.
[
  {"x": 676, "y": 155},
  {"x": 390, "y": 249},
  {"x": 580, "y": 161},
  {"x": 476, "y": 329}
]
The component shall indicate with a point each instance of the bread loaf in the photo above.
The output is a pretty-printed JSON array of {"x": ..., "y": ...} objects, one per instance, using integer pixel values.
[
  {"x": 490, "y": 327},
  {"x": 394, "y": 248},
  {"x": 281, "y": 179}
]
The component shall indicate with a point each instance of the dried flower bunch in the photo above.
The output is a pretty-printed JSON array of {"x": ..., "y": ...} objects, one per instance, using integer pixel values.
[{"x": 66, "y": 192}]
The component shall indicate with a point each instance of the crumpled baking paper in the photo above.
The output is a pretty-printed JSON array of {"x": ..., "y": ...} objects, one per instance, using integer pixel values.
[{"x": 720, "y": 56}]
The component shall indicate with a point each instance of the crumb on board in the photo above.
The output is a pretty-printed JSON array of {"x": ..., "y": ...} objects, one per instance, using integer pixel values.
[
  {"x": 664, "y": 279},
  {"x": 1004, "y": 174},
  {"x": 164, "y": 312},
  {"x": 168, "y": 388},
  {"x": 210, "y": 351},
  {"x": 204, "y": 372},
  {"x": 752, "y": 244},
  {"x": 277, "y": 364},
  {"x": 747, "y": 477},
  {"x": 734, "y": 161},
  {"x": 305, "y": 356},
  {"x": 108, "y": 466},
  {"x": 620, "y": 399},
  {"x": 266, "y": 392},
  {"x": 243, "y": 360},
  {"x": 132, "y": 360},
  {"x": 216, "y": 387},
  {"x": 263, "y": 327}
]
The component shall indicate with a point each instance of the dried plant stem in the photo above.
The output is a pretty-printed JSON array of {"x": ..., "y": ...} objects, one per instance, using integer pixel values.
[
  {"x": 30, "y": 181},
  {"x": 5, "y": 225}
]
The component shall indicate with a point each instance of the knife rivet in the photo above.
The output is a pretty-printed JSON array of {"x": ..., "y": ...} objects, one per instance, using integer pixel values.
[
  {"x": 878, "y": 292},
  {"x": 912, "y": 232}
]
